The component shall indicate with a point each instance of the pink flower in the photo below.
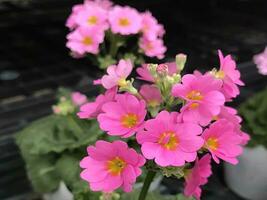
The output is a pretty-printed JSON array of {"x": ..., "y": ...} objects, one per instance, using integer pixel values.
[
  {"x": 145, "y": 75},
  {"x": 124, "y": 20},
  {"x": 123, "y": 117},
  {"x": 93, "y": 16},
  {"x": 261, "y": 61},
  {"x": 71, "y": 22},
  {"x": 230, "y": 114},
  {"x": 78, "y": 98},
  {"x": 117, "y": 74},
  {"x": 105, "y": 4},
  {"x": 197, "y": 176},
  {"x": 84, "y": 40},
  {"x": 202, "y": 96},
  {"x": 150, "y": 27},
  {"x": 153, "y": 48},
  {"x": 151, "y": 94},
  {"x": 222, "y": 141},
  {"x": 229, "y": 75},
  {"x": 93, "y": 109},
  {"x": 169, "y": 143},
  {"x": 110, "y": 166}
]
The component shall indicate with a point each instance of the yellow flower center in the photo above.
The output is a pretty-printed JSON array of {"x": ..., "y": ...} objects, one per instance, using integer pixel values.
[
  {"x": 212, "y": 143},
  {"x": 115, "y": 166},
  {"x": 124, "y": 22},
  {"x": 149, "y": 46},
  {"x": 122, "y": 82},
  {"x": 92, "y": 20},
  {"x": 219, "y": 74},
  {"x": 194, "y": 95},
  {"x": 215, "y": 118},
  {"x": 194, "y": 105},
  {"x": 129, "y": 120},
  {"x": 87, "y": 41},
  {"x": 168, "y": 140}
]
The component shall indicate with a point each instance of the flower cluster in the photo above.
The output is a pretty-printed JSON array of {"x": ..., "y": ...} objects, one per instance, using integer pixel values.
[
  {"x": 95, "y": 21},
  {"x": 69, "y": 103},
  {"x": 178, "y": 121}
]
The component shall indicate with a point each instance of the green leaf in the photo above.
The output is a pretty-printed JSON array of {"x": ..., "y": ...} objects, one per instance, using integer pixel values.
[
  {"x": 254, "y": 113},
  {"x": 68, "y": 169},
  {"x": 57, "y": 134},
  {"x": 42, "y": 173}
]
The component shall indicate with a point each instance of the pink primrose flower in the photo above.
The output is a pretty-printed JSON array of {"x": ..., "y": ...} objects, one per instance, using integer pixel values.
[
  {"x": 150, "y": 26},
  {"x": 125, "y": 20},
  {"x": 93, "y": 16},
  {"x": 71, "y": 22},
  {"x": 153, "y": 48},
  {"x": 85, "y": 40},
  {"x": 197, "y": 176},
  {"x": 261, "y": 61},
  {"x": 110, "y": 166},
  {"x": 222, "y": 141},
  {"x": 229, "y": 75},
  {"x": 202, "y": 95},
  {"x": 78, "y": 98},
  {"x": 93, "y": 109},
  {"x": 117, "y": 74},
  {"x": 123, "y": 117},
  {"x": 170, "y": 143},
  {"x": 151, "y": 94}
]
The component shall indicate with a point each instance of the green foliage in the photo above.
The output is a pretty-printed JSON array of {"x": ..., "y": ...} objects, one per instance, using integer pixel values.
[
  {"x": 254, "y": 113},
  {"x": 52, "y": 148}
]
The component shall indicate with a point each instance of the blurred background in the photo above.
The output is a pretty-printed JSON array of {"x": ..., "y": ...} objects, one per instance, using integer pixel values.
[{"x": 34, "y": 62}]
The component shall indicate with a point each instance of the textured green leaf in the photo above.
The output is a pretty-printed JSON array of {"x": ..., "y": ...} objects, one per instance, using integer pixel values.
[
  {"x": 57, "y": 134},
  {"x": 42, "y": 173},
  {"x": 254, "y": 113}
]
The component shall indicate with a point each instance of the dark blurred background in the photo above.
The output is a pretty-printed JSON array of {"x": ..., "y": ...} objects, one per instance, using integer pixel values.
[{"x": 34, "y": 62}]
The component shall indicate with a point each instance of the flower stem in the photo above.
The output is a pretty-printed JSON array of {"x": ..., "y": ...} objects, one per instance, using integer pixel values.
[
  {"x": 113, "y": 45},
  {"x": 149, "y": 178}
]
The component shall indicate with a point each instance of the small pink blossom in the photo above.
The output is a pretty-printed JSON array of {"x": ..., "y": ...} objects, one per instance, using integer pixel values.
[
  {"x": 93, "y": 16},
  {"x": 150, "y": 26},
  {"x": 71, "y": 22},
  {"x": 261, "y": 61},
  {"x": 222, "y": 141},
  {"x": 124, "y": 20},
  {"x": 145, "y": 75},
  {"x": 123, "y": 117},
  {"x": 78, "y": 98},
  {"x": 117, "y": 74},
  {"x": 151, "y": 94},
  {"x": 229, "y": 75},
  {"x": 153, "y": 48},
  {"x": 93, "y": 109},
  {"x": 197, "y": 176},
  {"x": 105, "y": 4},
  {"x": 84, "y": 40},
  {"x": 110, "y": 166},
  {"x": 169, "y": 143},
  {"x": 202, "y": 95}
]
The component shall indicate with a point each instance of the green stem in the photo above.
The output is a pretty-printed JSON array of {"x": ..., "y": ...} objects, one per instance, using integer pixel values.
[
  {"x": 113, "y": 45},
  {"x": 149, "y": 178},
  {"x": 78, "y": 131}
]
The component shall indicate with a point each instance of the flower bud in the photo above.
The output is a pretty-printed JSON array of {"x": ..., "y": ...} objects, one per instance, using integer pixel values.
[
  {"x": 162, "y": 69},
  {"x": 180, "y": 61}
]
